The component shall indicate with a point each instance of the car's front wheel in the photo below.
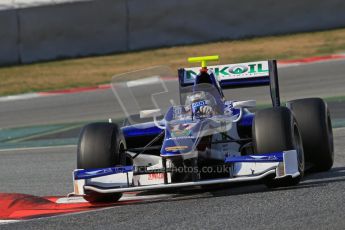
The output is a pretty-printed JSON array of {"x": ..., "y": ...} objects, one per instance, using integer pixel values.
[
  {"x": 101, "y": 145},
  {"x": 276, "y": 130}
]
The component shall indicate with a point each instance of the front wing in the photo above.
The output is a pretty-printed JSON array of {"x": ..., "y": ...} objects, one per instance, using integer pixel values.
[{"x": 242, "y": 169}]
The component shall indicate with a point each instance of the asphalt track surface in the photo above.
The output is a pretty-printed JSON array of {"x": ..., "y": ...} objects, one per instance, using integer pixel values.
[
  {"x": 318, "y": 79},
  {"x": 316, "y": 203}
]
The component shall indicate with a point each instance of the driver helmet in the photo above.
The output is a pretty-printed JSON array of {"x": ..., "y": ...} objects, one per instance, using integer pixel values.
[{"x": 200, "y": 105}]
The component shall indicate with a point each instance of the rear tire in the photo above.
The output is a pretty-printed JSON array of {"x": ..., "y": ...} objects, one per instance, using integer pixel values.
[
  {"x": 276, "y": 130},
  {"x": 315, "y": 125},
  {"x": 101, "y": 145}
]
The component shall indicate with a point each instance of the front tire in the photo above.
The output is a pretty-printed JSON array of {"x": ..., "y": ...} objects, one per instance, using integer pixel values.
[
  {"x": 101, "y": 145},
  {"x": 276, "y": 130}
]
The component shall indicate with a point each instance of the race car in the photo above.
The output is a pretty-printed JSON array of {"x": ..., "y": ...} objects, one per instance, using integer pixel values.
[{"x": 206, "y": 139}]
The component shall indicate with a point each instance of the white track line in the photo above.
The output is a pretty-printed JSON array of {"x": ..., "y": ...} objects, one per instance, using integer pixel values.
[
  {"x": 8, "y": 221},
  {"x": 146, "y": 81},
  {"x": 37, "y": 148},
  {"x": 19, "y": 97}
]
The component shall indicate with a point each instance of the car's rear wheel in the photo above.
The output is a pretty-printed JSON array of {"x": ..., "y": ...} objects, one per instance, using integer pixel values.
[
  {"x": 315, "y": 125},
  {"x": 276, "y": 130},
  {"x": 101, "y": 145}
]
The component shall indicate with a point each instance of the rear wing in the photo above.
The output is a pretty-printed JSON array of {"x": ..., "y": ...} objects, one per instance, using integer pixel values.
[{"x": 260, "y": 73}]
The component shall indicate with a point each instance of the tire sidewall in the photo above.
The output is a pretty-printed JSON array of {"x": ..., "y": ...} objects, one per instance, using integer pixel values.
[
  {"x": 276, "y": 130},
  {"x": 100, "y": 145}
]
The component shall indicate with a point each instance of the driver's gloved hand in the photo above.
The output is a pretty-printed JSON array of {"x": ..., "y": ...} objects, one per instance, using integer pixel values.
[{"x": 207, "y": 110}]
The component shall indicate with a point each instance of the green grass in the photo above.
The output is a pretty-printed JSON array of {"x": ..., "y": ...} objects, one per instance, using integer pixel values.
[{"x": 92, "y": 71}]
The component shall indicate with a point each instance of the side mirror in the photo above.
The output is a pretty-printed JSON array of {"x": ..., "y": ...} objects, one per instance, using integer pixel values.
[
  {"x": 244, "y": 104},
  {"x": 150, "y": 113}
]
